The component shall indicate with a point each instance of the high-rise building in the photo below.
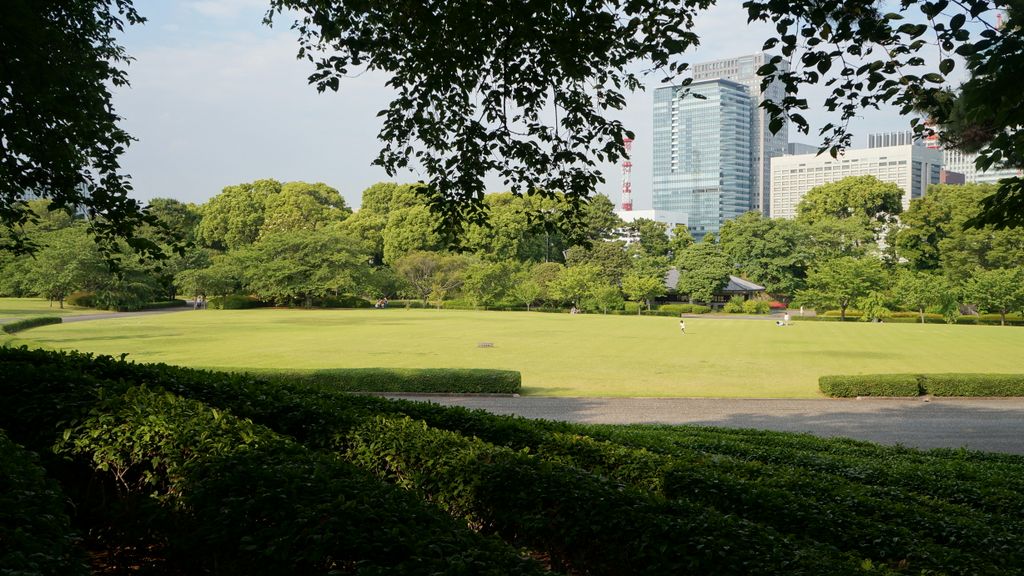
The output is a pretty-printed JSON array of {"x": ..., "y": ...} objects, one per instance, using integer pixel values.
[
  {"x": 798, "y": 148},
  {"x": 702, "y": 153},
  {"x": 912, "y": 168},
  {"x": 952, "y": 160},
  {"x": 963, "y": 162},
  {"x": 763, "y": 144}
]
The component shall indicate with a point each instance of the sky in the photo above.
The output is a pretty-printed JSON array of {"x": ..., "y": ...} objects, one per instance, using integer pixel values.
[{"x": 218, "y": 98}]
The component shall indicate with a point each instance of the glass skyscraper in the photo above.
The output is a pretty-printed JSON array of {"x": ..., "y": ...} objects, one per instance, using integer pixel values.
[
  {"x": 702, "y": 153},
  {"x": 763, "y": 144}
]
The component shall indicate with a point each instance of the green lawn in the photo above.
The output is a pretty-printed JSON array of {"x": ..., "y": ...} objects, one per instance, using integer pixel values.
[
  {"x": 17, "y": 308},
  {"x": 558, "y": 354}
]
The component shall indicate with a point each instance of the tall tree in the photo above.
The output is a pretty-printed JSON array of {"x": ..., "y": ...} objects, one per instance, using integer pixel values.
[
  {"x": 233, "y": 219},
  {"x": 934, "y": 234},
  {"x": 862, "y": 197},
  {"x": 652, "y": 236},
  {"x": 485, "y": 283},
  {"x": 610, "y": 257},
  {"x": 642, "y": 289},
  {"x": 303, "y": 206},
  {"x": 998, "y": 291},
  {"x": 575, "y": 283},
  {"x": 920, "y": 290},
  {"x": 843, "y": 281},
  {"x": 703, "y": 270},
  {"x": 302, "y": 265},
  {"x": 767, "y": 251},
  {"x": 59, "y": 134}
]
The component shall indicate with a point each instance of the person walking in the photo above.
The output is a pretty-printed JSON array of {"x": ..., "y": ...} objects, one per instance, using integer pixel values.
[
  {"x": 785, "y": 318},
  {"x": 682, "y": 326}
]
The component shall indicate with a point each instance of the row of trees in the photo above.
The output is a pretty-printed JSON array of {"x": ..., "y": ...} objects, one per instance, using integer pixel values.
[{"x": 300, "y": 244}]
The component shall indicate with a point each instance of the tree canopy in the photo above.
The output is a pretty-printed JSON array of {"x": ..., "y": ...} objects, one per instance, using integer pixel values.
[{"x": 528, "y": 91}]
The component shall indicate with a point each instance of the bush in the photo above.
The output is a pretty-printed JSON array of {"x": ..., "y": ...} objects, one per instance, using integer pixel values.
[
  {"x": 27, "y": 323},
  {"x": 344, "y": 301},
  {"x": 734, "y": 305},
  {"x": 917, "y": 384},
  {"x": 230, "y": 478},
  {"x": 870, "y": 385},
  {"x": 162, "y": 305},
  {"x": 677, "y": 309},
  {"x": 235, "y": 302},
  {"x": 408, "y": 304},
  {"x": 428, "y": 380},
  {"x": 578, "y": 520},
  {"x": 756, "y": 307},
  {"x": 83, "y": 298},
  {"x": 35, "y": 533},
  {"x": 850, "y": 313},
  {"x": 974, "y": 384}
]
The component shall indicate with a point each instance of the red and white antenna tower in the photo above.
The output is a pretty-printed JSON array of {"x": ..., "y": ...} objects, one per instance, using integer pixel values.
[{"x": 627, "y": 169}]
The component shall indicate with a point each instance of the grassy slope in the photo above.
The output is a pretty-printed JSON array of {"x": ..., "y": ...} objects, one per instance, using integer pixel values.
[{"x": 558, "y": 354}]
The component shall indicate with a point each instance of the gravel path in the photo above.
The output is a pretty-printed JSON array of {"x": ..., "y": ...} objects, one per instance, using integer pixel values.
[{"x": 990, "y": 424}]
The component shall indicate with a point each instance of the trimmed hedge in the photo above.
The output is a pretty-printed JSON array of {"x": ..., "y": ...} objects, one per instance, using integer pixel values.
[
  {"x": 414, "y": 380},
  {"x": 35, "y": 533},
  {"x": 974, "y": 384},
  {"x": 919, "y": 384},
  {"x": 583, "y": 523},
  {"x": 229, "y": 496},
  {"x": 161, "y": 305},
  {"x": 27, "y": 323},
  {"x": 870, "y": 385},
  {"x": 589, "y": 498}
]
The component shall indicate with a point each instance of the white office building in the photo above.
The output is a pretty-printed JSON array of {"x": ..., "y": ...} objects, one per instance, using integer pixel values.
[{"x": 912, "y": 168}]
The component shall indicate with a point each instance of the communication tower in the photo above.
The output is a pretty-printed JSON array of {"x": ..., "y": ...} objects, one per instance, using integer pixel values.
[{"x": 627, "y": 169}]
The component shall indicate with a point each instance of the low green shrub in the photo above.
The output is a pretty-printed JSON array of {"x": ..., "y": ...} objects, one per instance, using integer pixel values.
[
  {"x": 889, "y": 528},
  {"x": 917, "y": 384},
  {"x": 973, "y": 384},
  {"x": 850, "y": 312},
  {"x": 677, "y": 309},
  {"x": 251, "y": 500},
  {"x": 408, "y": 304},
  {"x": 83, "y": 298},
  {"x": 582, "y": 523},
  {"x": 235, "y": 302},
  {"x": 870, "y": 385},
  {"x": 734, "y": 305},
  {"x": 35, "y": 533},
  {"x": 756, "y": 307},
  {"x": 343, "y": 301},
  {"x": 419, "y": 380},
  {"x": 165, "y": 304},
  {"x": 19, "y": 325}
]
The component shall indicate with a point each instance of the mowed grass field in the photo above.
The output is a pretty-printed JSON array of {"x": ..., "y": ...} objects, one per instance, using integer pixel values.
[
  {"x": 557, "y": 354},
  {"x": 12, "y": 309}
]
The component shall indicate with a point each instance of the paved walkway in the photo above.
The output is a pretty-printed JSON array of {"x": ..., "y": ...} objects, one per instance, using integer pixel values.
[{"x": 994, "y": 425}]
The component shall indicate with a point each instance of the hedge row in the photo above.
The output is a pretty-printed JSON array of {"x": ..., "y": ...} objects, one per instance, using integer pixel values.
[
  {"x": 911, "y": 511},
  {"x": 870, "y": 385},
  {"x": 35, "y": 533},
  {"x": 916, "y": 532},
  {"x": 27, "y": 323},
  {"x": 415, "y": 380},
  {"x": 236, "y": 498},
  {"x": 999, "y": 385},
  {"x": 162, "y": 305},
  {"x": 583, "y": 523}
]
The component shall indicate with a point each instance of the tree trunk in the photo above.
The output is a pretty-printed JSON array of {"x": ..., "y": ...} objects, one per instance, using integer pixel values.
[
  {"x": 842, "y": 313},
  {"x": 1002, "y": 317},
  {"x": 922, "y": 314},
  {"x": 62, "y": 303}
]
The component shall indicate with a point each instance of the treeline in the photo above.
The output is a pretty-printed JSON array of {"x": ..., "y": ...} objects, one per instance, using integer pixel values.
[{"x": 851, "y": 248}]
